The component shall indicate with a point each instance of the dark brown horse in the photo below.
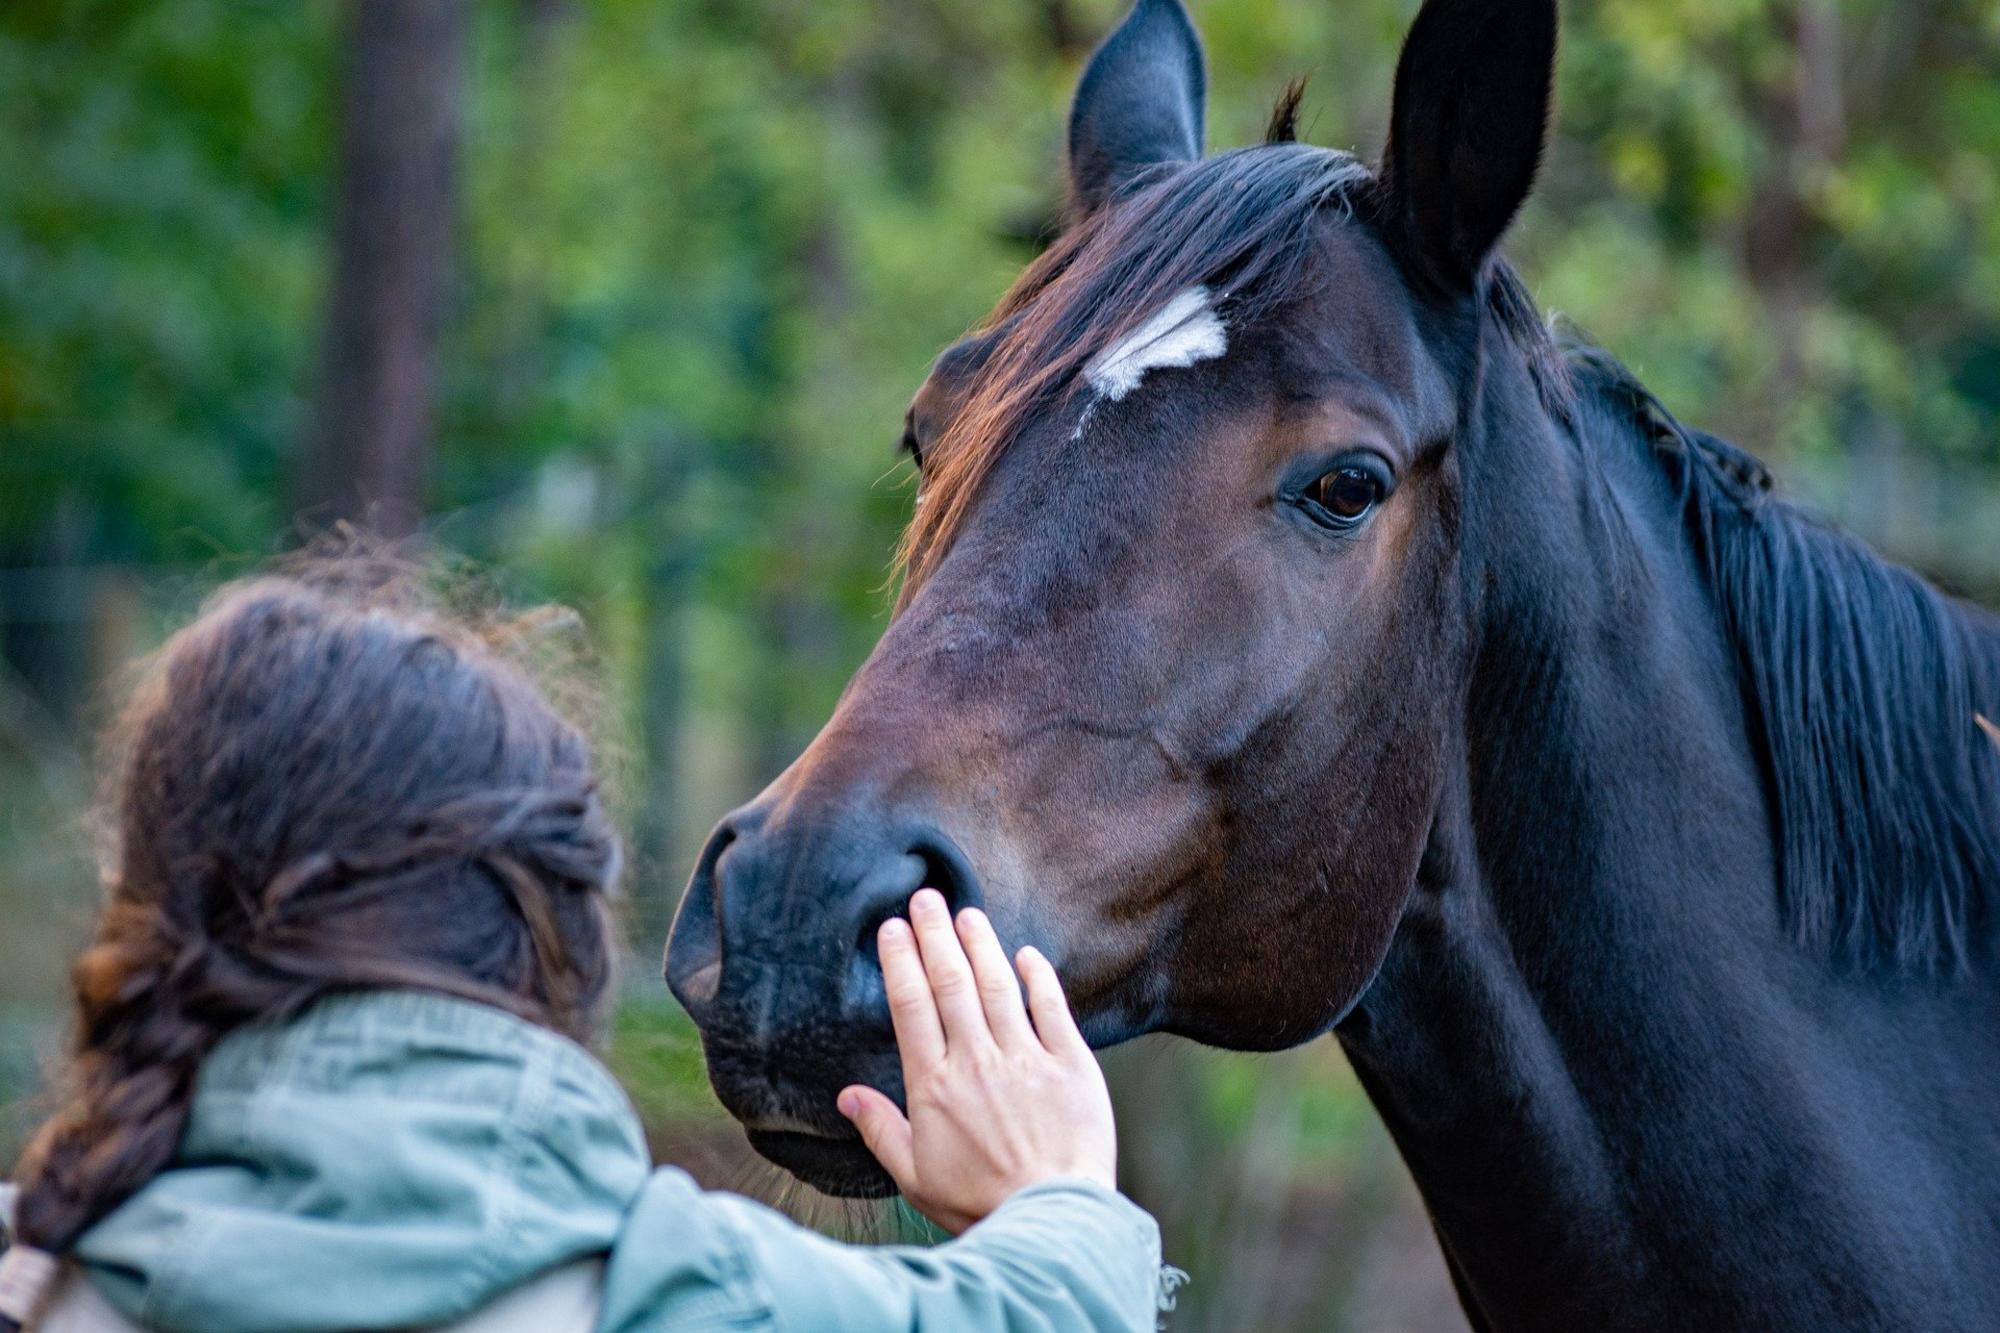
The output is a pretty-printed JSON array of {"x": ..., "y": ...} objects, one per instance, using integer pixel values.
[{"x": 1296, "y": 639}]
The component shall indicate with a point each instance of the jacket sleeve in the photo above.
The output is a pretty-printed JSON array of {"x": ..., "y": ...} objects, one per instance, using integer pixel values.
[{"x": 1066, "y": 1256}]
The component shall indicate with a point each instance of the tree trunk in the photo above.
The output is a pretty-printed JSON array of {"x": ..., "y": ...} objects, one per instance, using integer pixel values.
[
  {"x": 659, "y": 817},
  {"x": 1804, "y": 123},
  {"x": 367, "y": 447}
]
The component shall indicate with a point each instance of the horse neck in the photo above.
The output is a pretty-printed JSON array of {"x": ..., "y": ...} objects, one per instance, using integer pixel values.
[{"x": 1600, "y": 1052}]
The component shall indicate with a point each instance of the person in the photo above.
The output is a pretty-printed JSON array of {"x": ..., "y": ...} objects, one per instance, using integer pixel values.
[{"x": 330, "y": 1065}]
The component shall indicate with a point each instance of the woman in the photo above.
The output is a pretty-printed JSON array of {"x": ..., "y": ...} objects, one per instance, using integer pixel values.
[{"x": 327, "y": 1071}]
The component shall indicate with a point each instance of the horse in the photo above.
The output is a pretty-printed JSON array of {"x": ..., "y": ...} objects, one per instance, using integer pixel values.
[{"x": 1296, "y": 636}]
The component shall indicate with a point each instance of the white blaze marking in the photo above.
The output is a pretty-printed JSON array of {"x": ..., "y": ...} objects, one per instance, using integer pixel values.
[{"x": 1185, "y": 332}]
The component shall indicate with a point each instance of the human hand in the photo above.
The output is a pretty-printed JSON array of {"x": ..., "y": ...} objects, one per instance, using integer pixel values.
[{"x": 995, "y": 1105}]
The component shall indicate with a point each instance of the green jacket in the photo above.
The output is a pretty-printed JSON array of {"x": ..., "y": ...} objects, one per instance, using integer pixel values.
[{"x": 398, "y": 1160}]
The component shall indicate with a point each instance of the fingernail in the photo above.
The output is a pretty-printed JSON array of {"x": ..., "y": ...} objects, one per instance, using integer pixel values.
[
  {"x": 893, "y": 929},
  {"x": 927, "y": 901},
  {"x": 848, "y": 1103}
]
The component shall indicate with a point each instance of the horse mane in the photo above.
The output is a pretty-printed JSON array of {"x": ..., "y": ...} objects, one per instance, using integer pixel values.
[
  {"x": 1862, "y": 682},
  {"x": 1241, "y": 223}
]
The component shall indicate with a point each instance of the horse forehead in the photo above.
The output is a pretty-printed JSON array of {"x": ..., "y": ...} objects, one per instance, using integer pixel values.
[{"x": 1359, "y": 312}]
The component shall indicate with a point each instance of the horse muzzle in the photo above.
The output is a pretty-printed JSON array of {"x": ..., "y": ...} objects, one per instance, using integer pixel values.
[{"x": 773, "y": 955}]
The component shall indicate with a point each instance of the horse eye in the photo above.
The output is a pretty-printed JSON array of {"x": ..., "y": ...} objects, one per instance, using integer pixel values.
[{"x": 1348, "y": 493}]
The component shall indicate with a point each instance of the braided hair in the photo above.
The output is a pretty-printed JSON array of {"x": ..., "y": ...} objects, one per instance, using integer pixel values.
[{"x": 323, "y": 788}]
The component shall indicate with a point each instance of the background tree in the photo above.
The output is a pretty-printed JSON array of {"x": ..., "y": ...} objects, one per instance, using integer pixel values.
[{"x": 369, "y": 444}]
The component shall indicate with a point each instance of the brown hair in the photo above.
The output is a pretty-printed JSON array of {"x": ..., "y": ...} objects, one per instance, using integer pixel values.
[{"x": 325, "y": 785}]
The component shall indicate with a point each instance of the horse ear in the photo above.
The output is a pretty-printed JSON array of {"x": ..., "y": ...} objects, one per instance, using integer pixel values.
[
  {"x": 1141, "y": 101},
  {"x": 1466, "y": 133}
]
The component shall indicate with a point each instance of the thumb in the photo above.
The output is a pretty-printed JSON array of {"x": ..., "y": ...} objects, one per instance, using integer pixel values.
[{"x": 884, "y": 1129}]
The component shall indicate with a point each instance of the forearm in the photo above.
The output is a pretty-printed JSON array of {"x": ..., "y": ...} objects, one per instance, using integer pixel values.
[{"x": 1063, "y": 1257}]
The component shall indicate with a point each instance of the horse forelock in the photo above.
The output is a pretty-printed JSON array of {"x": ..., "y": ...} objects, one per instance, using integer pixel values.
[{"x": 1238, "y": 226}]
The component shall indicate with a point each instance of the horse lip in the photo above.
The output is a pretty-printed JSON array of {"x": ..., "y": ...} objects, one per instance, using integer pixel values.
[
  {"x": 839, "y": 1166},
  {"x": 778, "y": 1122}
]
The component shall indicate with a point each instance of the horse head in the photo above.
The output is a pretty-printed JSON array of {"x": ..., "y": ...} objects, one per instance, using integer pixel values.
[{"x": 1169, "y": 686}]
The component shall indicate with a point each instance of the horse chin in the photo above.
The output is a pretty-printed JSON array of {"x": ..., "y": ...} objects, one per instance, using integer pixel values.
[{"x": 838, "y": 1166}]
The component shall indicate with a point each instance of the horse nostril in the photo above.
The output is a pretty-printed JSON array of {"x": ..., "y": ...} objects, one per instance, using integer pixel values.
[
  {"x": 947, "y": 871},
  {"x": 693, "y": 963},
  {"x": 933, "y": 863},
  {"x": 882, "y": 894},
  {"x": 778, "y": 922}
]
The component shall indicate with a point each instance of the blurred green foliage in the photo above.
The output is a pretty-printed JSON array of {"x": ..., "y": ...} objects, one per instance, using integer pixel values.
[{"x": 705, "y": 250}]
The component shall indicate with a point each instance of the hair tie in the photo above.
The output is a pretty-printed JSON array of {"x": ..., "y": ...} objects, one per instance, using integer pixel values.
[{"x": 27, "y": 1275}]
